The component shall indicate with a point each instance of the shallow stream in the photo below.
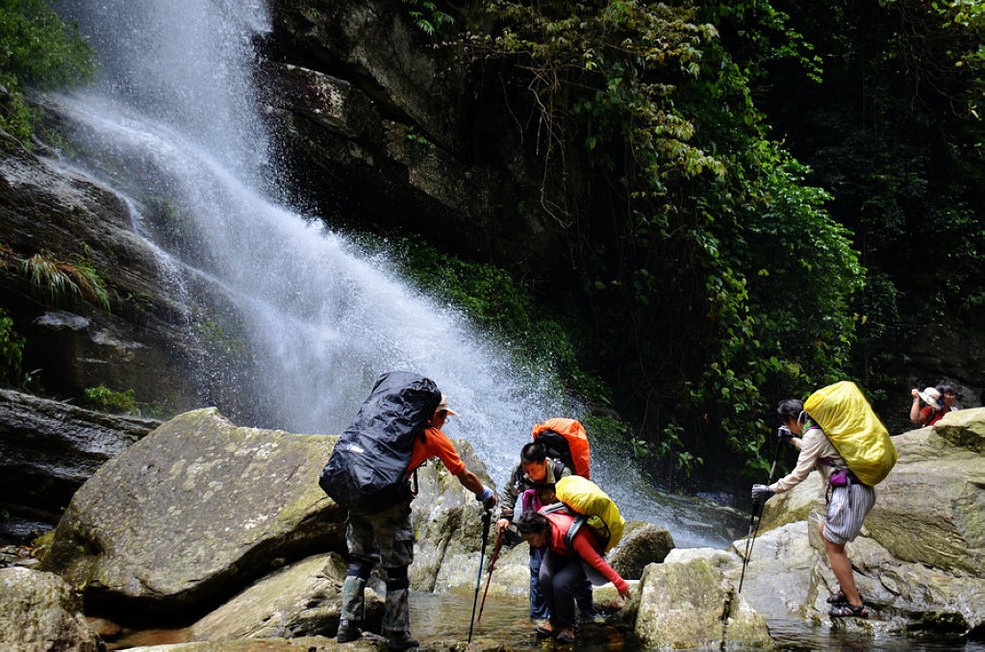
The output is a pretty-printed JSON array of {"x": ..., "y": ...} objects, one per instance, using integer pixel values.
[{"x": 440, "y": 619}]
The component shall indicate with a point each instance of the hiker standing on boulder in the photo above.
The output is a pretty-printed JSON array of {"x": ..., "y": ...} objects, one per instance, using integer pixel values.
[
  {"x": 933, "y": 410},
  {"x": 562, "y": 572},
  {"x": 538, "y": 474},
  {"x": 849, "y": 500},
  {"x": 379, "y": 527}
]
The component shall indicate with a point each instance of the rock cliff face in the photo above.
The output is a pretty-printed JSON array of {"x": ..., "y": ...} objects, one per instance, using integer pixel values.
[
  {"x": 47, "y": 451},
  {"x": 383, "y": 130},
  {"x": 142, "y": 342},
  {"x": 406, "y": 134}
]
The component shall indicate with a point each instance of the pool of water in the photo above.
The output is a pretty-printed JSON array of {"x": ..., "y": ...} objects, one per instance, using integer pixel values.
[{"x": 440, "y": 619}]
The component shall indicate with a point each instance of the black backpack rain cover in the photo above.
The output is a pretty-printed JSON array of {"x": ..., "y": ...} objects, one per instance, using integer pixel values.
[{"x": 367, "y": 470}]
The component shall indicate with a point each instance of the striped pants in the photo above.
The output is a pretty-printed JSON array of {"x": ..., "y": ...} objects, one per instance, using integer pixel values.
[{"x": 847, "y": 508}]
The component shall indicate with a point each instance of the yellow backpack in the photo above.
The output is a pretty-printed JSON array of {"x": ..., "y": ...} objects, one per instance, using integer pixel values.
[
  {"x": 850, "y": 424},
  {"x": 584, "y": 498}
]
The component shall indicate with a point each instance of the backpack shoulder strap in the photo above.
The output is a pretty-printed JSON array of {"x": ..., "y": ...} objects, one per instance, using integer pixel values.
[
  {"x": 569, "y": 536},
  {"x": 559, "y": 467}
]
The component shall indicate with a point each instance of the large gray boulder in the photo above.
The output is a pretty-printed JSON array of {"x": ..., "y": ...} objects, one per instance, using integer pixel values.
[
  {"x": 193, "y": 512},
  {"x": 692, "y": 604},
  {"x": 929, "y": 510},
  {"x": 641, "y": 544},
  {"x": 39, "y": 612},
  {"x": 47, "y": 450},
  {"x": 303, "y": 599}
]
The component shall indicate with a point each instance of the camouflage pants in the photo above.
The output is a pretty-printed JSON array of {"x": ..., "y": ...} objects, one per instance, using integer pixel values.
[{"x": 386, "y": 537}]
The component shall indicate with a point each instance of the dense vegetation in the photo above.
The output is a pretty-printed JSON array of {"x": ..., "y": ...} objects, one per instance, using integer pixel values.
[
  {"x": 720, "y": 272},
  {"x": 38, "y": 50},
  {"x": 716, "y": 279},
  {"x": 892, "y": 126}
]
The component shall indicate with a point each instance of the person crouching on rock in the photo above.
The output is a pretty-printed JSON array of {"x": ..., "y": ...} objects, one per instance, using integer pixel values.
[{"x": 562, "y": 570}]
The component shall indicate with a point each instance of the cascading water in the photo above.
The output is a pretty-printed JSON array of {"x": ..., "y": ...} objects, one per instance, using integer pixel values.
[{"x": 172, "y": 123}]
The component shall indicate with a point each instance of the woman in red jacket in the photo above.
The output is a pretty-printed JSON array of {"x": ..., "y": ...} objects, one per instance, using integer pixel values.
[{"x": 563, "y": 568}]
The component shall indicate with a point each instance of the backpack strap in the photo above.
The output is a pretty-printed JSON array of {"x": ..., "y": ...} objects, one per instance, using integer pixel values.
[
  {"x": 559, "y": 467},
  {"x": 555, "y": 508},
  {"x": 569, "y": 536}
]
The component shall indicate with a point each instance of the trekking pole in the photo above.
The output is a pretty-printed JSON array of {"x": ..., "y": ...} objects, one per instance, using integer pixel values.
[
  {"x": 486, "y": 520},
  {"x": 492, "y": 565},
  {"x": 757, "y": 511}
]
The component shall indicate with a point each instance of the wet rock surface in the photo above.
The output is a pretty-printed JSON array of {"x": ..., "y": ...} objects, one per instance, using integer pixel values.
[{"x": 48, "y": 449}]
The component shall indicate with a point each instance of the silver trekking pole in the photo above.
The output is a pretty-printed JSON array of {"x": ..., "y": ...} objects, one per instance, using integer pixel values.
[
  {"x": 757, "y": 511},
  {"x": 486, "y": 521}
]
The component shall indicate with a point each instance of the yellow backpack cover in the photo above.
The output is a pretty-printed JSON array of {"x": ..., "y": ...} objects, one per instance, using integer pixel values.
[
  {"x": 850, "y": 423},
  {"x": 585, "y": 497}
]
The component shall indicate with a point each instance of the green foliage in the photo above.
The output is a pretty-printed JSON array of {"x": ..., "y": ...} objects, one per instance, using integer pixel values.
[
  {"x": 37, "y": 49},
  {"x": 107, "y": 400},
  {"x": 428, "y": 17},
  {"x": 57, "y": 281},
  {"x": 896, "y": 133},
  {"x": 11, "y": 350},
  {"x": 727, "y": 286},
  {"x": 762, "y": 36},
  {"x": 541, "y": 343},
  {"x": 222, "y": 339}
]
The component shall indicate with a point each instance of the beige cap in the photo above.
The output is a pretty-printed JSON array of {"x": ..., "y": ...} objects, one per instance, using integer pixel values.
[{"x": 443, "y": 406}]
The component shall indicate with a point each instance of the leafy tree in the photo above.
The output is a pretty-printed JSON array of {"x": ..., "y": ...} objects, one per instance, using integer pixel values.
[
  {"x": 718, "y": 282},
  {"x": 37, "y": 49},
  {"x": 894, "y": 131}
]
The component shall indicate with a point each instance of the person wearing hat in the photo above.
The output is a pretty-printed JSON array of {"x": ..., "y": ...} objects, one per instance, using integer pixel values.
[
  {"x": 388, "y": 536},
  {"x": 931, "y": 412}
]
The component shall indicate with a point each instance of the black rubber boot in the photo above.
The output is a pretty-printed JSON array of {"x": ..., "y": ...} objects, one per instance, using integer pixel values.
[
  {"x": 348, "y": 634},
  {"x": 401, "y": 640}
]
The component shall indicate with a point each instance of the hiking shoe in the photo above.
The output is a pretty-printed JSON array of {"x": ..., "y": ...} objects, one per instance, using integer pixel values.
[
  {"x": 565, "y": 637},
  {"x": 401, "y": 641},
  {"x": 348, "y": 634},
  {"x": 545, "y": 630}
]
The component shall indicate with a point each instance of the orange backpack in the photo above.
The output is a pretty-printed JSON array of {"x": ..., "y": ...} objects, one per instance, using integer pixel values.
[{"x": 566, "y": 440}]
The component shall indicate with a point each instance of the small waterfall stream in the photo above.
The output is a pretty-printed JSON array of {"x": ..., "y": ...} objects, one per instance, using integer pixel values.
[{"x": 171, "y": 124}]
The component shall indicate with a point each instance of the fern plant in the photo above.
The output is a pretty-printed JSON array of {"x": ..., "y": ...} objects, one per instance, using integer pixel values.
[
  {"x": 57, "y": 281},
  {"x": 428, "y": 17}
]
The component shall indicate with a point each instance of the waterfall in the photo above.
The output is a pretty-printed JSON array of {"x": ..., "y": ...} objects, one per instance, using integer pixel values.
[{"x": 172, "y": 122}]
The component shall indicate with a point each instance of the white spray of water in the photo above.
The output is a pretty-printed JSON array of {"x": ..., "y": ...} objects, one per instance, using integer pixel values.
[{"x": 174, "y": 108}]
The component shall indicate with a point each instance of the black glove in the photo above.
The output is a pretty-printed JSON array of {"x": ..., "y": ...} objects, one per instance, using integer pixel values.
[{"x": 761, "y": 493}]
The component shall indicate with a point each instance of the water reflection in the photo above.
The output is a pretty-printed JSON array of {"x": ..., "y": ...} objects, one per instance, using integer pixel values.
[{"x": 439, "y": 620}]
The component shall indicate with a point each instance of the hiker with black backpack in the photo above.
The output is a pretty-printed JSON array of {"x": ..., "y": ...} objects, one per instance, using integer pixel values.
[
  {"x": 848, "y": 499},
  {"x": 397, "y": 429},
  {"x": 562, "y": 572}
]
